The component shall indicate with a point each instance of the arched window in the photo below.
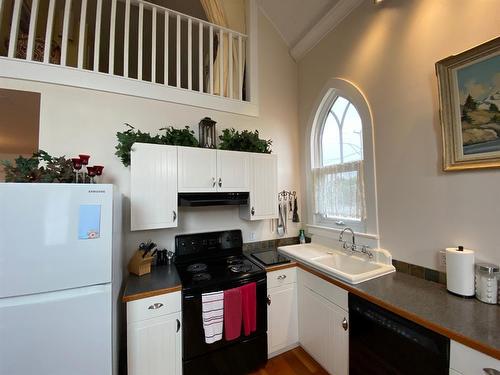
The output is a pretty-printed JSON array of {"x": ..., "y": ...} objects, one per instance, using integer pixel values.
[{"x": 342, "y": 165}]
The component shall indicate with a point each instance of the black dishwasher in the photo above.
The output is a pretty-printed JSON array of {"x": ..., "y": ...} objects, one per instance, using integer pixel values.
[{"x": 383, "y": 343}]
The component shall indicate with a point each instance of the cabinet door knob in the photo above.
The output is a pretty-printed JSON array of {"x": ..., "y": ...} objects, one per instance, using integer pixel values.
[
  {"x": 491, "y": 371},
  {"x": 178, "y": 325},
  {"x": 252, "y": 211},
  {"x": 281, "y": 277},
  {"x": 214, "y": 181},
  {"x": 220, "y": 182},
  {"x": 175, "y": 215},
  {"x": 155, "y": 306},
  {"x": 268, "y": 299},
  {"x": 345, "y": 324}
]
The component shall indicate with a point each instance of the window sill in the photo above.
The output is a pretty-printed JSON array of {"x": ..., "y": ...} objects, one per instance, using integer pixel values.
[{"x": 334, "y": 232}]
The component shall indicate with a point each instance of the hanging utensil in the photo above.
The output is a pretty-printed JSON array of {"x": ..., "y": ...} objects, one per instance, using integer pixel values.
[
  {"x": 295, "y": 217},
  {"x": 280, "y": 227}
]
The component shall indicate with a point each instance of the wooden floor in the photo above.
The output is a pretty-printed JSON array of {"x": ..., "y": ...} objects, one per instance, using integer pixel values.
[{"x": 293, "y": 362}]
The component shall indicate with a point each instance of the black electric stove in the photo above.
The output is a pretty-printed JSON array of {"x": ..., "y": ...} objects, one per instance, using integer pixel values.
[
  {"x": 209, "y": 262},
  {"x": 213, "y": 273}
]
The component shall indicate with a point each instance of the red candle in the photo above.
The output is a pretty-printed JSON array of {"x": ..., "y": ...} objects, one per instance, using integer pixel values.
[{"x": 84, "y": 159}]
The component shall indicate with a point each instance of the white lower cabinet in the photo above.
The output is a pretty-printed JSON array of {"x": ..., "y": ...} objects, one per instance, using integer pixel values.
[
  {"x": 282, "y": 333},
  {"x": 467, "y": 361},
  {"x": 154, "y": 339},
  {"x": 323, "y": 322}
]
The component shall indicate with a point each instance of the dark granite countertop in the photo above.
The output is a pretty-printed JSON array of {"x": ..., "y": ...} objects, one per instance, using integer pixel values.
[
  {"x": 161, "y": 280},
  {"x": 468, "y": 321}
]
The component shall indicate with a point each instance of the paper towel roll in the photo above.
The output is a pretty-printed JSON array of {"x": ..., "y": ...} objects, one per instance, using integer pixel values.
[{"x": 460, "y": 271}]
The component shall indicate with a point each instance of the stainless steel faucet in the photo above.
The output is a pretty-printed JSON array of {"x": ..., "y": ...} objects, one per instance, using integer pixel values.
[
  {"x": 352, "y": 246},
  {"x": 344, "y": 243}
]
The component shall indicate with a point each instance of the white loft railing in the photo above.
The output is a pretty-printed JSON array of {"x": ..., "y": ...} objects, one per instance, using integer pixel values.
[{"x": 128, "y": 39}]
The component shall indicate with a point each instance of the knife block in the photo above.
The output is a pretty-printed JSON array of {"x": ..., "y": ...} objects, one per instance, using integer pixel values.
[{"x": 138, "y": 265}]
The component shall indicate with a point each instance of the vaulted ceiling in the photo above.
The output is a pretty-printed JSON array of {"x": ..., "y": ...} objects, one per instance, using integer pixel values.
[
  {"x": 303, "y": 23},
  {"x": 293, "y": 18}
]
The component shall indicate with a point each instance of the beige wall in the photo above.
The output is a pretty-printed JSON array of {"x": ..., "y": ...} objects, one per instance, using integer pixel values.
[
  {"x": 76, "y": 121},
  {"x": 389, "y": 52}
]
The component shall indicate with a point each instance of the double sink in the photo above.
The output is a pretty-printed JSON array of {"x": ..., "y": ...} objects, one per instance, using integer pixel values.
[{"x": 349, "y": 267}]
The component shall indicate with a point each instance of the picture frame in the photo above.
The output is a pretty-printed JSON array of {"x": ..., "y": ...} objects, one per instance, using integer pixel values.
[{"x": 469, "y": 103}]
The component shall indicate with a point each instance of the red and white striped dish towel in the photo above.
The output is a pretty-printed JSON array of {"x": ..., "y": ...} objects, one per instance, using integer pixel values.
[{"x": 213, "y": 315}]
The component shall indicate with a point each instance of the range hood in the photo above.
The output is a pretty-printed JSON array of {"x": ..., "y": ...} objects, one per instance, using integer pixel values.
[{"x": 212, "y": 199}]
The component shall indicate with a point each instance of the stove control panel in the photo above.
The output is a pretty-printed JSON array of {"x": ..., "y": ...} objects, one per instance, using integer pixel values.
[{"x": 207, "y": 243}]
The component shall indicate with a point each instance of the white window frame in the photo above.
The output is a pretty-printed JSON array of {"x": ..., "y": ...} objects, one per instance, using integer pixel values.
[{"x": 334, "y": 88}]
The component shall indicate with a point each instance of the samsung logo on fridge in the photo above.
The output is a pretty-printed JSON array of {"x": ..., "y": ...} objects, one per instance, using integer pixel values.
[{"x": 97, "y": 191}]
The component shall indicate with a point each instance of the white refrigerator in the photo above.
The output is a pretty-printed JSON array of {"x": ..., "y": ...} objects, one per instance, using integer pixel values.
[{"x": 55, "y": 279}]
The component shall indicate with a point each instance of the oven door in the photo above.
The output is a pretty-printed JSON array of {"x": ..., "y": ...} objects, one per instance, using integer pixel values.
[{"x": 193, "y": 336}]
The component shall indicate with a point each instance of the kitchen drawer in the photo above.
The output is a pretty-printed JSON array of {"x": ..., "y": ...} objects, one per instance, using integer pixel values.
[
  {"x": 152, "y": 307},
  {"x": 281, "y": 277},
  {"x": 325, "y": 289},
  {"x": 468, "y": 361}
]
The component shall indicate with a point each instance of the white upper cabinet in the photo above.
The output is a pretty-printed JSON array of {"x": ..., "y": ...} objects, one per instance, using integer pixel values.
[
  {"x": 208, "y": 170},
  {"x": 197, "y": 170},
  {"x": 233, "y": 171},
  {"x": 153, "y": 186},
  {"x": 263, "y": 188}
]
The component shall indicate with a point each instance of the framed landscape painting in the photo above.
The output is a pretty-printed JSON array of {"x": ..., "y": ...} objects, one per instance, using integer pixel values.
[{"x": 469, "y": 96}]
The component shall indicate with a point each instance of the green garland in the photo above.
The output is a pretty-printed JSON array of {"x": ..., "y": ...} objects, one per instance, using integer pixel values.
[
  {"x": 230, "y": 139},
  {"x": 56, "y": 169},
  {"x": 172, "y": 136},
  {"x": 249, "y": 141}
]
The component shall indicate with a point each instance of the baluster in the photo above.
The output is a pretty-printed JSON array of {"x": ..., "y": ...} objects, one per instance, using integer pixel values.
[
  {"x": 48, "y": 32},
  {"x": 178, "y": 51},
  {"x": 112, "y": 31},
  {"x": 1, "y": 8},
  {"x": 32, "y": 31},
  {"x": 97, "y": 36},
  {"x": 153, "y": 45},
  {"x": 140, "y": 41},
  {"x": 200, "y": 56},
  {"x": 14, "y": 28},
  {"x": 220, "y": 52},
  {"x": 81, "y": 35},
  {"x": 64, "y": 47},
  {"x": 165, "y": 63},
  {"x": 126, "y": 38},
  {"x": 230, "y": 65},
  {"x": 240, "y": 68},
  {"x": 211, "y": 62},
  {"x": 190, "y": 54}
]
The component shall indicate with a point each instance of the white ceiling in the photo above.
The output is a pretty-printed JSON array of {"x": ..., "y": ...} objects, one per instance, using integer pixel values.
[{"x": 294, "y": 18}]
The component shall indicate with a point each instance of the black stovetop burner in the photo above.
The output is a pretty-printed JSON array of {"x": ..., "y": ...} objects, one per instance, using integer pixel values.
[{"x": 212, "y": 260}]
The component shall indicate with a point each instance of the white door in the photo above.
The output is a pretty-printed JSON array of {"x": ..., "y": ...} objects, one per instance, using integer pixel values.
[
  {"x": 264, "y": 182},
  {"x": 57, "y": 333},
  {"x": 197, "y": 170},
  {"x": 321, "y": 332},
  {"x": 153, "y": 186},
  {"x": 282, "y": 317},
  {"x": 54, "y": 236},
  {"x": 155, "y": 346},
  {"x": 233, "y": 171}
]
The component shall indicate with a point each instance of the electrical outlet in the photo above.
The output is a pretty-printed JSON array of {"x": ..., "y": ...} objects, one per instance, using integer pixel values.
[
  {"x": 442, "y": 259},
  {"x": 252, "y": 236}
]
